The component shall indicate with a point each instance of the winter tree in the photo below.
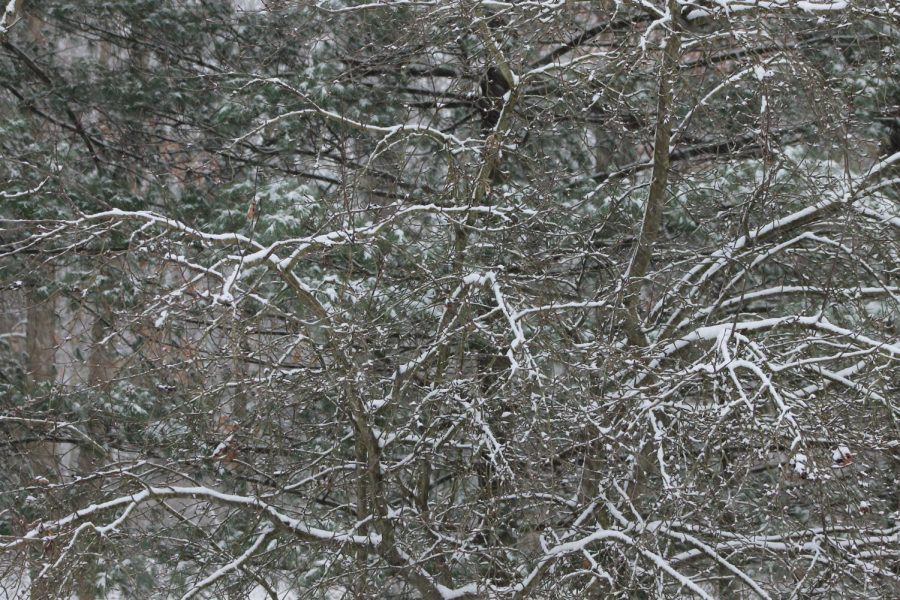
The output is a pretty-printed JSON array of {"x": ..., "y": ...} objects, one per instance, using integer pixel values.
[{"x": 450, "y": 299}]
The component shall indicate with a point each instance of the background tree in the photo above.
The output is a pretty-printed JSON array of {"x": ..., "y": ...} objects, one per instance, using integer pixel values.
[{"x": 449, "y": 299}]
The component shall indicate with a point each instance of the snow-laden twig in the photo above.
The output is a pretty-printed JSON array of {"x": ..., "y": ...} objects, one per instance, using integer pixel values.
[
  {"x": 819, "y": 322},
  {"x": 704, "y": 270},
  {"x": 55, "y": 425},
  {"x": 560, "y": 550},
  {"x": 9, "y": 18},
  {"x": 729, "y": 7},
  {"x": 154, "y": 493},
  {"x": 799, "y": 542},
  {"x": 730, "y": 80},
  {"x": 445, "y": 139},
  {"x": 34, "y": 190},
  {"x": 231, "y": 566},
  {"x": 687, "y": 538}
]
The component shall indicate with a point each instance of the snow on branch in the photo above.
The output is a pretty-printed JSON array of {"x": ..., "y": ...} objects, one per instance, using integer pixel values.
[
  {"x": 34, "y": 190},
  {"x": 9, "y": 18},
  {"x": 231, "y": 566},
  {"x": 55, "y": 527},
  {"x": 712, "y": 332},
  {"x": 523, "y": 588},
  {"x": 729, "y": 7},
  {"x": 705, "y": 269},
  {"x": 445, "y": 139}
]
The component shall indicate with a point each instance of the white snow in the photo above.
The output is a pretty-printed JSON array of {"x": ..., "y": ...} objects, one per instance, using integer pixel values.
[
  {"x": 840, "y": 454},
  {"x": 799, "y": 463},
  {"x": 161, "y": 319}
]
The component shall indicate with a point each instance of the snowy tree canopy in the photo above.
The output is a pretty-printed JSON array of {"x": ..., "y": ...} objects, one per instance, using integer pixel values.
[{"x": 450, "y": 299}]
